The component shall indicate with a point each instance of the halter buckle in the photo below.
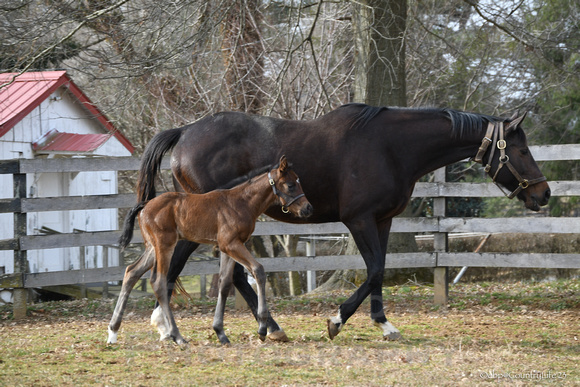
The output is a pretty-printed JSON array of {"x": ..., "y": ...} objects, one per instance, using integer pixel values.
[
  {"x": 501, "y": 144},
  {"x": 524, "y": 184}
]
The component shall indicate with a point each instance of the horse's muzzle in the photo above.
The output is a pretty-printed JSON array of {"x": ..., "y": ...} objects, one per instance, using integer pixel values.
[{"x": 542, "y": 199}]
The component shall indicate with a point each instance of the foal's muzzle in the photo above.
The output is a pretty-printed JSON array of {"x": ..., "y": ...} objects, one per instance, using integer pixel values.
[{"x": 306, "y": 210}]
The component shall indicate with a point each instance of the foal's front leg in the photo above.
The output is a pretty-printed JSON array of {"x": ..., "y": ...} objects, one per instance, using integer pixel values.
[{"x": 238, "y": 252}]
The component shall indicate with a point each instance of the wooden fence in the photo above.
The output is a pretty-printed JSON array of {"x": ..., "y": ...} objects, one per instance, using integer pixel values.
[{"x": 438, "y": 225}]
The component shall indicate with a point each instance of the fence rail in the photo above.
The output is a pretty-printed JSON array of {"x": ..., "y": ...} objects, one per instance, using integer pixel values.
[{"x": 439, "y": 225}]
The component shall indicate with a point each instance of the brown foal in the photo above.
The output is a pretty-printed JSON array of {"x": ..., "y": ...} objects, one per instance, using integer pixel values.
[{"x": 225, "y": 218}]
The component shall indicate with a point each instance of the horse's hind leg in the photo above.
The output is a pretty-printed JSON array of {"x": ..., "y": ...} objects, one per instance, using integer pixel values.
[
  {"x": 132, "y": 275},
  {"x": 178, "y": 260},
  {"x": 225, "y": 285},
  {"x": 275, "y": 332}
]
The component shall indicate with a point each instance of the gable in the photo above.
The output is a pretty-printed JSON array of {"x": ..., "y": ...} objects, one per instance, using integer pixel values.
[{"x": 21, "y": 94}]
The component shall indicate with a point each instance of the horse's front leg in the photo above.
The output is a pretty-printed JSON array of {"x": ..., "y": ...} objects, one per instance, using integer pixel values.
[
  {"x": 238, "y": 251},
  {"x": 367, "y": 235},
  {"x": 132, "y": 275},
  {"x": 377, "y": 308},
  {"x": 225, "y": 285}
]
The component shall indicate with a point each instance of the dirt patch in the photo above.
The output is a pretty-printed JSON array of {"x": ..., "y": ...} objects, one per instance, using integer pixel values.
[{"x": 510, "y": 334}]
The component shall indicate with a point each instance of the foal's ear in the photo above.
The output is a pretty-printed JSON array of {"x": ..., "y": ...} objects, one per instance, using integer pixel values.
[
  {"x": 283, "y": 164},
  {"x": 515, "y": 121}
]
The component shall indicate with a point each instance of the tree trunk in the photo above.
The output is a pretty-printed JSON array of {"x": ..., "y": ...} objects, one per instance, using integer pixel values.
[
  {"x": 379, "y": 29},
  {"x": 242, "y": 53}
]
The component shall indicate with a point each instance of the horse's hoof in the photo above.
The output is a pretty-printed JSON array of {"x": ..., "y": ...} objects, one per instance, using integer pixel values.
[
  {"x": 262, "y": 337},
  {"x": 279, "y": 336},
  {"x": 333, "y": 329},
  {"x": 392, "y": 336}
]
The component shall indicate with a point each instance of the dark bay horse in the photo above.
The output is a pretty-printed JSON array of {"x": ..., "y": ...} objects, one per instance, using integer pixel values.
[
  {"x": 358, "y": 164},
  {"x": 222, "y": 217}
]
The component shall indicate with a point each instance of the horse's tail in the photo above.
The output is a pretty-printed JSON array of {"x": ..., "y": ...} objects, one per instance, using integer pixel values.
[
  {"x": 160, "y": 144},
  {"x": 128, "y": 225}
]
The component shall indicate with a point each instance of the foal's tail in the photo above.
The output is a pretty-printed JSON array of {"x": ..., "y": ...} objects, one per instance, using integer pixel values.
[
  {"x": 160, "y": 144},
  {"x": 128, "y": 225}
]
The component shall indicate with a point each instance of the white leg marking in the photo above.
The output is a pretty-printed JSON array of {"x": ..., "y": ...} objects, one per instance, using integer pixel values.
[
  {"x": 337, "y": 320},
  {"x": 159, "y": 321},
  {"x": 112, "y": 337},
  {"x": 389, "y": 331}
]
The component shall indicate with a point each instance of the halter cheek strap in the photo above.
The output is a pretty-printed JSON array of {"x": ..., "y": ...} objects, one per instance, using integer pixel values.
[
  {"x": 495, "y": 130},
  {"x": 283, "y": 197}
]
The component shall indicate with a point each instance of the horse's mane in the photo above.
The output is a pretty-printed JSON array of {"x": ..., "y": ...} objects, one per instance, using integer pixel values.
[
  {"x": 465, "y": 122},
  {"x": 461, "y": 122},
  {"x": 365, "y": 114}
]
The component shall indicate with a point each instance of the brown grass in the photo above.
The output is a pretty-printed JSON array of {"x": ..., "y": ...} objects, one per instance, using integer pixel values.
[{"x": 517, "y": 334}]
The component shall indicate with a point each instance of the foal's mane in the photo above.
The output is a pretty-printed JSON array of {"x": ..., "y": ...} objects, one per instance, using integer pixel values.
[
  {"x": 461, "y": 122},
  {"x": 248, "y": 176}
]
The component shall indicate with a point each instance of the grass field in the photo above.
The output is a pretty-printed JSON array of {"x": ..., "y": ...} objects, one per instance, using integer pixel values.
[{"x": 490, "y": 334}]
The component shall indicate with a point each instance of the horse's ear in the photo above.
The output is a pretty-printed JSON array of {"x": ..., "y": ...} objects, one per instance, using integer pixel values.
[
  {"x": 515, "y": 121},
  {"x": 283, "y": 164}
]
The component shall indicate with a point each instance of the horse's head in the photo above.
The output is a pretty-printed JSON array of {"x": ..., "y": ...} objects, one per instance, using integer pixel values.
[
  {"x": 286, "y": 185},
  {"x": 510, "y": 163}
]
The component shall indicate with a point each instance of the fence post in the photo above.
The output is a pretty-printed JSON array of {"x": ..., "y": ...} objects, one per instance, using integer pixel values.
[
  {"x": 440, "y": 244},
  {"x": 311, "y": 274},
  {"x": 20, "y": 295}
]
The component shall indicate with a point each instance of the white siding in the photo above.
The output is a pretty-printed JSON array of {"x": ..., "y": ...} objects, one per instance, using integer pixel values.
[{"x": 63, "y": 112}]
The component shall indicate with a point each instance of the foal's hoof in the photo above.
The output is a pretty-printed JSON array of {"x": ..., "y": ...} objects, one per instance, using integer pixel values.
[
  {"x": 392, "y": 336},
  {"x": 333, "y": 329},
  {"x": 279, "y": 336},
  {"x": 180, "y": 341}
]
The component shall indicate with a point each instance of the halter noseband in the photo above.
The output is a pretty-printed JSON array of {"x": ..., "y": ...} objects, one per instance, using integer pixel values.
[
  {"x": 287, "y": 198},
  {"x": 495, "y": 130}
]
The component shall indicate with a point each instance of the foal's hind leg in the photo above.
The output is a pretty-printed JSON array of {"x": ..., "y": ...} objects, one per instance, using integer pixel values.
[
  {"x": 182, "y": 251},
  {"x": 225, "y": 285},
  {"x": 132, "y": 275},
  {"x": 238, "y": 251},
  {"x": 159, "y": 285}
]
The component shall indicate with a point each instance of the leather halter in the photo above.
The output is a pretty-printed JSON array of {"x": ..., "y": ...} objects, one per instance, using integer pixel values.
[
  {"x": 495, "y": 130},
  {"x": 283, "y": 197}
]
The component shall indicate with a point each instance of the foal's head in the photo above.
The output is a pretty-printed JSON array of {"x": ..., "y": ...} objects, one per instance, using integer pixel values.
[{"x": 286, "y": 186}]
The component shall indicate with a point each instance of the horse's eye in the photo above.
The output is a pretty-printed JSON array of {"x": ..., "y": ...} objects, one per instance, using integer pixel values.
[{"x": 524, "y": 152}]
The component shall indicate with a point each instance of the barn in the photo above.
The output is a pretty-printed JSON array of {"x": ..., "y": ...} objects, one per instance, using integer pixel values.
[{"x": 46, "y": 115}]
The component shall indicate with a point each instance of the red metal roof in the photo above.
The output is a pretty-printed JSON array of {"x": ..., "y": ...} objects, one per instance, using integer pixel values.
[
  {"x": 55, "y": 141},
  {"x": 20, "y": 94}
]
